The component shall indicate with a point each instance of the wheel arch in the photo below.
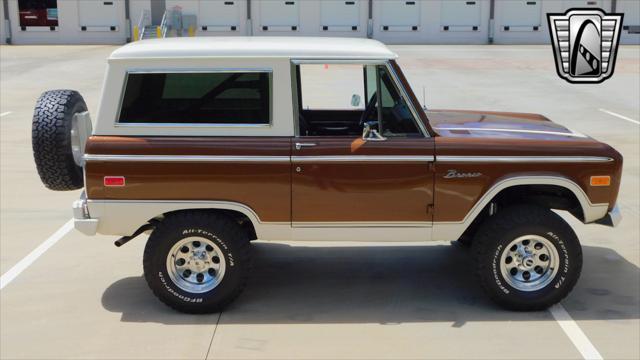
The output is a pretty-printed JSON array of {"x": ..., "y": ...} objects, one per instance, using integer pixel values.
[
  {"x": 586, "y": 211},
  {"x": 123, "y": 217}
]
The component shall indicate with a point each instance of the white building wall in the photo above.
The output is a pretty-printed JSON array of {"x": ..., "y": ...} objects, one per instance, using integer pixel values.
[
  {"x": 393, "y": 21},
  {"x": 216, "y": 17},
  {"x": 135, "y": 10},
  {"x": 308, "y": 18},
  {"x": 69, "y": 26},
  {"x": 525, "y": 21},
  {"x": 431, "y": 22},
  {"x": 3, "y": 24},
  {"x": 631, "y": 22}
]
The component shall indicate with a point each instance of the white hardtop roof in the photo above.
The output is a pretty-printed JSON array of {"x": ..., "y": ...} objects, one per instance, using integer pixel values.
[{"x": 285, "y": 47}]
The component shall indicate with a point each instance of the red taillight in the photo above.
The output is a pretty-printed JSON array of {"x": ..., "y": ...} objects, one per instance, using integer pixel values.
[{"x": 114, "y": 181}]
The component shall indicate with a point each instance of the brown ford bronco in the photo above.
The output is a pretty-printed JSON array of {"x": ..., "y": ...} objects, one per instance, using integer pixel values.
[{"x": 208, "y": 144}]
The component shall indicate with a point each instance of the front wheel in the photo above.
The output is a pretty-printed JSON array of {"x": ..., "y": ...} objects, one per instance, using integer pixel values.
[
  {"x": 527, "y": 258},
  {"x": 197, "y": 262}
]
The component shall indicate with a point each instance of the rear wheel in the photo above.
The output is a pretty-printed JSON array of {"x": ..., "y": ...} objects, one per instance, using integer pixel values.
[
  {"x": 527, "y": 258},
  {"x": 197, "y": 262}
]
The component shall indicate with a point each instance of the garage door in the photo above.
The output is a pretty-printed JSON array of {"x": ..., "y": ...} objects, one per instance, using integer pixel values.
[
  {"x": 602, "y": 4},
  {"x": 631, "y": 22},
  {"x": 521, "y": 15},
  {"x": 279, "y": 15},
  {"x": 340, "y": 15},
  {"x": 220, "y": 15},
  {"x": 98, "y": 15},
  {"x": 399, "y": 15},
  {"x": 460, "y": 15}
]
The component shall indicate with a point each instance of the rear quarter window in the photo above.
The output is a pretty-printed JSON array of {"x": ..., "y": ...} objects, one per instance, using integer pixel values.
[{"x": 231, "y": 98}]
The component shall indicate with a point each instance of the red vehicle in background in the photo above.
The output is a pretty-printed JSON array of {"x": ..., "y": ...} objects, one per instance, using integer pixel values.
[{"x": 38, "y": 12}]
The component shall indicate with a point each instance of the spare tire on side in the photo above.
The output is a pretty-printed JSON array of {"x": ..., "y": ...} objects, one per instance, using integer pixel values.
[{"x": 54, "y": 135}]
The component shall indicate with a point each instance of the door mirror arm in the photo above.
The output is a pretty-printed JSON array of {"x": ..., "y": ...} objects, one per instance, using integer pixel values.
[{"x": 371, "y": 134}]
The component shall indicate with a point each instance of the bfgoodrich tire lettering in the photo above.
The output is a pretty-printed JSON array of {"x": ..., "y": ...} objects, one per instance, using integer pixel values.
[
  {"x": 51, "y": 139},
  {"x": 232, "y": 246},
  {"x": 499, "y": 234}
]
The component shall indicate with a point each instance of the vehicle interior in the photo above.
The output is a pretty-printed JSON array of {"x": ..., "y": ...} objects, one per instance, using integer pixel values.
[{"x": 335, "y": 106}]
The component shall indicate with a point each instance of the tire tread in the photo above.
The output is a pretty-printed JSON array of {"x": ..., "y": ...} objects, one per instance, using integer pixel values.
[
  {"x": 224, "y": 227},
  {"x": 51, "y": 140},
  {"x": 484, "y": 244}
]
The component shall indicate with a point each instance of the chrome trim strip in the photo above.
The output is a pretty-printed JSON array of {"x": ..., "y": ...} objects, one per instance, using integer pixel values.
[
  {"x": 523, "y": 159},
  {"x": 362, "y": 158},
  {"x": 272, "y": 159},
  {"x": 569, "y": 134},
  {"x": 186, "y": 158}
]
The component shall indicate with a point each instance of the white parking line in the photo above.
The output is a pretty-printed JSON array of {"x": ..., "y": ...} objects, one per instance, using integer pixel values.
[
  {"x": 560, "y": 314},
  {"x": 5, "y": 113},
  {"x": 34, "y": 255},
  {"x": 575, "y": 334},
  {"x": 620, "y": 116}
]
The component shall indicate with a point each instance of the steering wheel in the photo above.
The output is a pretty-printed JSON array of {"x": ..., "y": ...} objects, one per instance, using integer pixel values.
[{"x": 369, "y": 109}]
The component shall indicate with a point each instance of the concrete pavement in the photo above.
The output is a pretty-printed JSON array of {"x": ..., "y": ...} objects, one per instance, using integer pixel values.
[{"x": 85, "y": 298}]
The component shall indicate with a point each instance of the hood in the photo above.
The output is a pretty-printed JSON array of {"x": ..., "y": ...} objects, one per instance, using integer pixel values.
[{"x": 468, "y": 123}]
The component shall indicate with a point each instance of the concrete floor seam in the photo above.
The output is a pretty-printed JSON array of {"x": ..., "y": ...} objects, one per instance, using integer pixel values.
[{"x": 212, "y": 336}]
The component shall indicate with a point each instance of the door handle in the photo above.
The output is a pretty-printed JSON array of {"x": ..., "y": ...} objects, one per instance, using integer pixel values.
[{"x": 301, "y": 145}]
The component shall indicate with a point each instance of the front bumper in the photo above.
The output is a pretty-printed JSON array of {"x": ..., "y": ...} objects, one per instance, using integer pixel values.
[
  {"x": 82, "y": 220},
  {"x": 612, "y": 218}
]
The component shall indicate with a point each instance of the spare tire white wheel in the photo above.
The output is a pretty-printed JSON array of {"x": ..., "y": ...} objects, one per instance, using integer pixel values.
[{"x": 60, "y": 128}]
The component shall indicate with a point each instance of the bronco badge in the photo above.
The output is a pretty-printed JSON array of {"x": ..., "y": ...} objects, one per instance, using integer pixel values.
[
  {"x": 454, "y": 174},
  {"x": 585, "y": 42}
]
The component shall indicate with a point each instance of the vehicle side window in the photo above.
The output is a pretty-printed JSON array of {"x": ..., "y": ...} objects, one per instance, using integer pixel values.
[
  {"x": 197, "y": 98},
  {"x": 331, "y": 86},
  {"x": 343, "y": 100},
  {"x": 397, "y": 119}
]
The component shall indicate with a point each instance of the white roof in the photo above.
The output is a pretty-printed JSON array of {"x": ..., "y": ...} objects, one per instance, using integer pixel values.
[{"x": 286, "y": 47}]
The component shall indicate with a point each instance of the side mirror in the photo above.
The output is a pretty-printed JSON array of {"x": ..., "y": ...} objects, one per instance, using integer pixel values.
[
  {"x": 371, "y": 134},
  {"x": 355, "y": 100}
]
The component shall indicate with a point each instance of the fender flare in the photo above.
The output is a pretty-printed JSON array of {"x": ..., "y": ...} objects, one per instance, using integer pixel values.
[{"x": 452, "y": 230}]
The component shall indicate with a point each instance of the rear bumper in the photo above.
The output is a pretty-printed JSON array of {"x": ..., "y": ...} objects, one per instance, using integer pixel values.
[
  {"x": 82, "y": 220},
  {"x": 612, "y": 218}
]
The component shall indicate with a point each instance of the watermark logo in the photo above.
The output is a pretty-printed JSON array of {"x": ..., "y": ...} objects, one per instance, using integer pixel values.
[{"x": 585, "y": 43}]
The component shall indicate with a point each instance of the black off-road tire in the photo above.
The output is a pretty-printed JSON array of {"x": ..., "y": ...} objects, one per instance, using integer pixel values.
[
  {"x": 464, "y": 241},
  {"x": 51, "y": 139},
  {"x": 225, "y": 233},
  {"x": 500, "y": 230}
]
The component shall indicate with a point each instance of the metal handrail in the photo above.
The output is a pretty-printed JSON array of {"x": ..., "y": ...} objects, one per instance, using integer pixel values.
[
  {"x": 163, "y": 24},
  {"x": 145, "y": 19}
]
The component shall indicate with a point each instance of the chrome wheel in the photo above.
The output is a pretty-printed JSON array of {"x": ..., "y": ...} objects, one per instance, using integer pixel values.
[
  {"x": 529, "y": 263},
  {"x": 196, "y": 264}
]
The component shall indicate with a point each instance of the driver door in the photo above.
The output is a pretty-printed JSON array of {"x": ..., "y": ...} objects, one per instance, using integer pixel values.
[{"x": 340, "y": 179}]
